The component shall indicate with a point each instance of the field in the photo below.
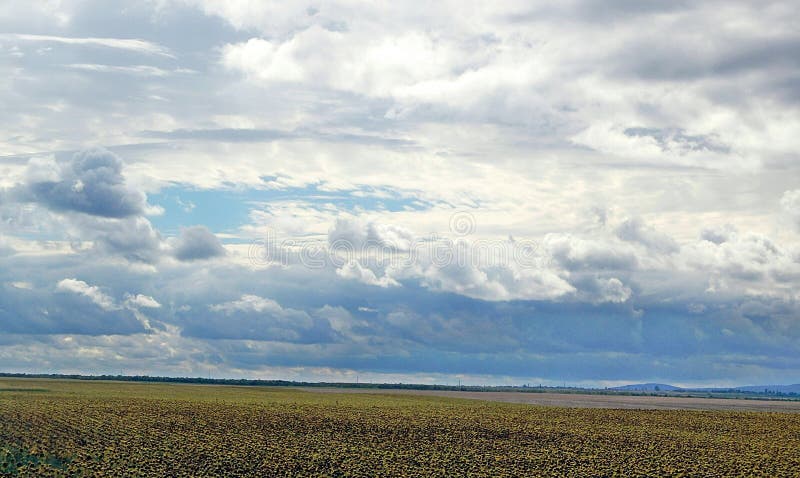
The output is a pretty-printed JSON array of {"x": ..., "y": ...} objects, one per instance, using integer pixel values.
[
  {"x": 597, "y": 400},
  {"x": 66, "y": 428}
]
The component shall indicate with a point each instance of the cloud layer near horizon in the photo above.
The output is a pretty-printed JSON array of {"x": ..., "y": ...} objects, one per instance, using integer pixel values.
[{"x": 587, "y": 192}]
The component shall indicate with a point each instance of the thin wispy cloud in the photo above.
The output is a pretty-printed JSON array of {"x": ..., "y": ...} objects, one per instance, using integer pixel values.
[
  {"x": 130, "y": 44},
  {"x": 140, "y": 70}
]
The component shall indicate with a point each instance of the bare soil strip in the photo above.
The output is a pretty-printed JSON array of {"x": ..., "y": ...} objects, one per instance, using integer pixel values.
[{"x": 574, "y": 400}]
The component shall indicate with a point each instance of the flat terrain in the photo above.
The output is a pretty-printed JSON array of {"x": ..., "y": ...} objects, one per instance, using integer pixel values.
[
  {"x": 577, "y": 400},
  {"x": 79, "y": 428}
]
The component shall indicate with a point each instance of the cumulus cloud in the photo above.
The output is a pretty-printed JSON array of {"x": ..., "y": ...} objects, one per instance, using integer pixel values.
[
  {"x": 576, "y": 253},
  {"x": 613, "y": 290},
  {"x": 603, "y": 290},
  {"x": 458, "y": 268},
  {"x": 85, "y": 198},
  {"x": 366, "y": 147},
  {"x": 91, "y": 182},
  {"x": 133, "y": 238},
  {"x": 490, "y": 270},
  {"x": 746, "y": 263},
  {"x": 354, "y": 270},
  {"x": 355, "y": 234},
  {"x": 197, "y": 243}
]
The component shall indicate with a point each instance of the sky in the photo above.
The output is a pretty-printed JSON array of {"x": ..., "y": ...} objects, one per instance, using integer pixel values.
[{"x": 581, "y": 192}]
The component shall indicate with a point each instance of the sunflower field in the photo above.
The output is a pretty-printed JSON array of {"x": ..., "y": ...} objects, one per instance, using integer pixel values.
[{"x": 75, "y": 428}]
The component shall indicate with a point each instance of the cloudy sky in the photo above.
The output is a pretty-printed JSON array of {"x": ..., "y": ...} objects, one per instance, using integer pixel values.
[{"x": 499, "y": 192}]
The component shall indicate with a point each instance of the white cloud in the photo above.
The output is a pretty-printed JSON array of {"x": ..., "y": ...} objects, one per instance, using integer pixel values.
[
  {"x": 141, "y": 46},
  {"x": 750, "y": 264},
  {"x": 94, "y": 293},
  {"x": 248, "y": 303},
  {"x": 533, "y": 69},
  {"x": 354, "y": 270},
  {"x": 268, "y": 15},
  {"x": 489, "y": 270},
  {"x": 385, "y": 66},
  {"x": 358, "y": 234},
  {"x": 613, "y": 290},
  {"x": 140, "y": 300},
  {"x": 139, "y": 70}
]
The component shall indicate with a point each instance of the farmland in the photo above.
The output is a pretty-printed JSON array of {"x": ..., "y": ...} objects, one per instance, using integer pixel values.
[
  {"x": 599, "y": 400},
  {"x": 71, "y": 428}
]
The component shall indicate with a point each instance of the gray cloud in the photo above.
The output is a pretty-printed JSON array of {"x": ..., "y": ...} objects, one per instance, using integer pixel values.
[
  {"x": 718, "y": 235},
  {"x": 602, "y": 12},
  {"x": 252, "y": 317},
  {"x": 85, "y": 198},
  {"x": 91, "y": 182},
  {"x": 575, "y": 253},
  {"x": 739, "y": 57},
  {"x": 222, "y": 134},
  {"x": 85, "y": 311},
  {"x": 790, "y": 202},
  {"x": 635, "y": 230},
  {"x": 132, "y": 238},
  {"x": 677, "y": 139},
  {"x": 197, "y": 243},
  {"x": 5, "y": 247}
]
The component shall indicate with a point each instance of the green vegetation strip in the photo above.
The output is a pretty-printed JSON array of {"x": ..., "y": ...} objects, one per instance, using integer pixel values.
[
  {"x": 24, "y": 390},
  {"x": 15, "y": 461}
]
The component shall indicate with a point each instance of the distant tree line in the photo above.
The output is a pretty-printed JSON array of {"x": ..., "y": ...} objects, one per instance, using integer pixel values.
[{"x": 717, "y": 393}]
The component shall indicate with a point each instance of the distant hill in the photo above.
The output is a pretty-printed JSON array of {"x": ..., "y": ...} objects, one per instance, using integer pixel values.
[
  {"x": 664, "y": 387},
  {"x": 648, "y": 387},
  {"x": 795, "y": 388}
]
